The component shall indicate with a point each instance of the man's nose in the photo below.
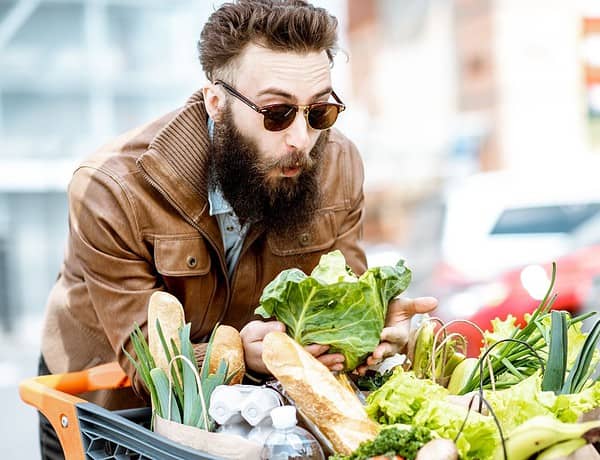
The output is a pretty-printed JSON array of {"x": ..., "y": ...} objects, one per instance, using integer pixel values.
[{"x": 297, "y": 135}]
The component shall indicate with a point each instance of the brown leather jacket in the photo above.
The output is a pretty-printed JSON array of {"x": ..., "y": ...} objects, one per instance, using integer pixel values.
[{"x": 139, "y": 222}]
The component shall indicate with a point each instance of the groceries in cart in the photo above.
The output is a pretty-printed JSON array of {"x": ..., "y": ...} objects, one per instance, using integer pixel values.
[
  {"x": 532, "y": 393},
  {"x": 432, "y": 403}
]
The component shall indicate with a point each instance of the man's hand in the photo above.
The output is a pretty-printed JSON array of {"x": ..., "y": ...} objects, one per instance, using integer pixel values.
[
  {"x": 252, "y": 335},
  {"x": 333, "y": 361},
  {"x": 394, "y": 335}
]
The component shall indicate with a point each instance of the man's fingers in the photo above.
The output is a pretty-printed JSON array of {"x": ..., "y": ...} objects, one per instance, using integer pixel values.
[
  {"x": 361, "y": 370},
  {"x": 383, "y": 350},
  {"x": 424, "y": 304},
  {"x": 334, "y": 361},
  {"x": 253, "y": 356},
  {"x": 255, "y": 331},
  {"x": 395, "y": 334},
  {"x": 316, "y": 349},
  {"x": 401, "y": 310},
  {"x": 408, "y": 307}
]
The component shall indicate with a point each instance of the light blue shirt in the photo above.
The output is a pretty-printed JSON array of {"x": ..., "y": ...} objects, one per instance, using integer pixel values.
[{"x": 232, "y": 232}]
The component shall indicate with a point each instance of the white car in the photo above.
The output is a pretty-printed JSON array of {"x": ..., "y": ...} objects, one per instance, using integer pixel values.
[{"x": 498, "y": 221}]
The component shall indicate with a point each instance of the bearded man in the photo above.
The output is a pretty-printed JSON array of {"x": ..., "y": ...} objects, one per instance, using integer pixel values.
[{"x": 212, "y": 201}]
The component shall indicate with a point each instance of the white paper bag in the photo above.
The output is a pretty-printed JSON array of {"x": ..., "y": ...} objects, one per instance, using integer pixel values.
[{"x": 219, "y": 444}]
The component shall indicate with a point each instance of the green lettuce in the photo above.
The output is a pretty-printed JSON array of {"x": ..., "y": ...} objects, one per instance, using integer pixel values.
[
  {"x": 404, "y": 398},
  {"x": 521, "y": 402},
  {"x": 569, "y": 407},
  {"x": 479, "y": 438},
  {"x": 333, "y": 306},
  {"x": 526, "y": 400},
  {"x": 401, "y": 397}
]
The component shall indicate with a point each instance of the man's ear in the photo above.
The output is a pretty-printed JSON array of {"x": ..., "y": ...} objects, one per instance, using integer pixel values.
[{"x": 214, "y": 101}]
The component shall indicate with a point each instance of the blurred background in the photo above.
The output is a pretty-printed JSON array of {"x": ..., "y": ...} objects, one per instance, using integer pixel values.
[{"x": 478, "y": 121}]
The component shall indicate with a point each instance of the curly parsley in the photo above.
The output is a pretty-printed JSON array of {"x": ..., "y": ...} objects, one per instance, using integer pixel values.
[{"x": 402, "y": 441}]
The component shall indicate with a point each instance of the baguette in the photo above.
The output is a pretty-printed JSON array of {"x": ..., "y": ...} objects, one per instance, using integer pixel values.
[
  {"x": 334, "y": 409},
  {"x": 227, "y": 345},
  {"x": 169, "y": 311}
]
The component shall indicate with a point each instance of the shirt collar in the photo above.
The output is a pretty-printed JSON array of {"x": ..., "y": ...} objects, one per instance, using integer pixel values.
[{"x": 217, "y": 202}]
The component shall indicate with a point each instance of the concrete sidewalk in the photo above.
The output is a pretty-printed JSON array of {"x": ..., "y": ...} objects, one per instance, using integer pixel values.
[{"x": 19, "y": 353}]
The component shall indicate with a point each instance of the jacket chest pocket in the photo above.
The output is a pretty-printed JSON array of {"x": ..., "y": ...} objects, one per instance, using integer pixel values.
[
  {"x": 185, "y": 264},
  {"x": 319, "y": 237},
  {"x": 183, "y": 256}
]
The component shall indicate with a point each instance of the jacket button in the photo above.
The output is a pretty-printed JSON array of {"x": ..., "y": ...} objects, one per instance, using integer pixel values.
[
  {"x": 191, "y": 261},
  {"x": 304, "y": 239}
]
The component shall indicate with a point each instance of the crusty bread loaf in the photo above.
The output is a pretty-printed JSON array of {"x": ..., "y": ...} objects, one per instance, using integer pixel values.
[
  {"x": 227, "y": 345},
  {"x": 335, "y": 410},
  {"x": 169, "y": 311}
]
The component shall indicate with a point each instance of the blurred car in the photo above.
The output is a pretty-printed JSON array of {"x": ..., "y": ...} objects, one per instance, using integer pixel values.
[
  {"x": 520, "y": 290},
  {"x": 502, "y": 231},
  {"x": 501, "y": 220}
]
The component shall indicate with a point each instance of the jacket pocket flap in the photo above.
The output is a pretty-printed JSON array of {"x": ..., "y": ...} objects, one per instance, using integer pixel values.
[
  {"x": 320, "y": 235},
  {"x": 181, "y": 256}
]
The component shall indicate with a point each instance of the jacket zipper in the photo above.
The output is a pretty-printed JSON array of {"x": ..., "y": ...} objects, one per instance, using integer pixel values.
[{"x": 247, "y": 243}]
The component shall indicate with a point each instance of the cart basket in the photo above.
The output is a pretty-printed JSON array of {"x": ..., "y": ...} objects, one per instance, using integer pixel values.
[{"x": 88, "y": 431}]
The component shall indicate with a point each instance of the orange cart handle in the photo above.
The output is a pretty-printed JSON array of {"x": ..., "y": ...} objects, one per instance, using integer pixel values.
[{"x": 53, "y": 396}]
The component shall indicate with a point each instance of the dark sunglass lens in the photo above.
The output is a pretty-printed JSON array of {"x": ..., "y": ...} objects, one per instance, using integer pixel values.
[
  {"x": 278, "y": 117},
  {"x": 322, "y": 116}
]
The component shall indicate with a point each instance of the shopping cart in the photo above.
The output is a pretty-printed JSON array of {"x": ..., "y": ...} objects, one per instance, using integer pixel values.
[{"x": 88, "y": 431}]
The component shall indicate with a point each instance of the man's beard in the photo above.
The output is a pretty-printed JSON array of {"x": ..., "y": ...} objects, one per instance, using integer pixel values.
[{"x": 283, "y": 205}]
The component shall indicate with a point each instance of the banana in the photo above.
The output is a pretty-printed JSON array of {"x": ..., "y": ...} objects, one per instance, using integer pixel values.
[
  {"x": 561, "y": 449},
  {"x": 539, "y": 433}
]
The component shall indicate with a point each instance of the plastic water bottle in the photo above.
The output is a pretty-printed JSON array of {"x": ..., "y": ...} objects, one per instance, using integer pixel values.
[{"x": 288, "y": 441}]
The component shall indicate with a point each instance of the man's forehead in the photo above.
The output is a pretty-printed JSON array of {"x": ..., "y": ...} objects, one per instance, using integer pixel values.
[{"x": 260, "y": 68}]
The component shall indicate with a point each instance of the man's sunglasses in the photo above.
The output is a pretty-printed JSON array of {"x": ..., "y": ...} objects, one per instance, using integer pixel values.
[{"x": 319, "y": 115}]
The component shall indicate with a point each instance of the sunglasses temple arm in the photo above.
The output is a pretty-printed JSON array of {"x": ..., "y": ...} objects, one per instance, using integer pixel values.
[{"x": 240, "y": 96}]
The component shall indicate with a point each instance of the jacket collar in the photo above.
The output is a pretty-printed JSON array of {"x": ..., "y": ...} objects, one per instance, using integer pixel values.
[{"x": 177, "y": 164}]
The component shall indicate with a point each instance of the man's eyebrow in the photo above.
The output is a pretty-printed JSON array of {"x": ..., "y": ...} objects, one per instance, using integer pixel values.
[{"x": 286, "y": 95}]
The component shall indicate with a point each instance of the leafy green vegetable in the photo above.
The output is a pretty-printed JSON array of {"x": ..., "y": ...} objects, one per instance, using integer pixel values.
[
  {"x": 569, "y": 407},
  {"x": 401, "y": 397},
  {"x": 421, "y": 364},
  {"x": 188, "y": 401},
  {"x": 479, "y": 437},
  {"x": 556, "y": 366},
  {"x": 521, "y": 402},
  {"x": 333, "y": 306},
  {"x": 515, "y": 357},
  {"x": 165, "y": 397},
  {"x": 525, "y": 400},
  {"x": 405, "y": 398},
  {"x": 373, "y": 380},
  {"x": 584, "y": 365},
  {"x": 400, "y": 440}
]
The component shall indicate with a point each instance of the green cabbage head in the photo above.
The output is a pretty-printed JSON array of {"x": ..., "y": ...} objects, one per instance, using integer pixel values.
[{"x": 333, "y": 306}]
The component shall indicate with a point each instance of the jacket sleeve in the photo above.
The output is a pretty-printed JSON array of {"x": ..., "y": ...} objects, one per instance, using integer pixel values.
[
  {"x": 350, "y": 221},
  {"x": 116, "y": 266}
]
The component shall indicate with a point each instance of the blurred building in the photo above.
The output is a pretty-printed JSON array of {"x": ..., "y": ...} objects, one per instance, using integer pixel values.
[
  {"x": 448, "y": 88},
  {"x": 520, "y": 87},
  {"x": 73, "y": 74}
]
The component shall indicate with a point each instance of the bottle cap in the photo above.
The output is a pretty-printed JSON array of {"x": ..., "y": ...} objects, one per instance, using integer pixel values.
[{"x": 284, "y": 417}]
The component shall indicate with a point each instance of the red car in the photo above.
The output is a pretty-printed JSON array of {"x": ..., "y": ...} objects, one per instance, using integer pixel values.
[
  {"x": 497, "y": 260},
  {"x": 521, "y": 290}
]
